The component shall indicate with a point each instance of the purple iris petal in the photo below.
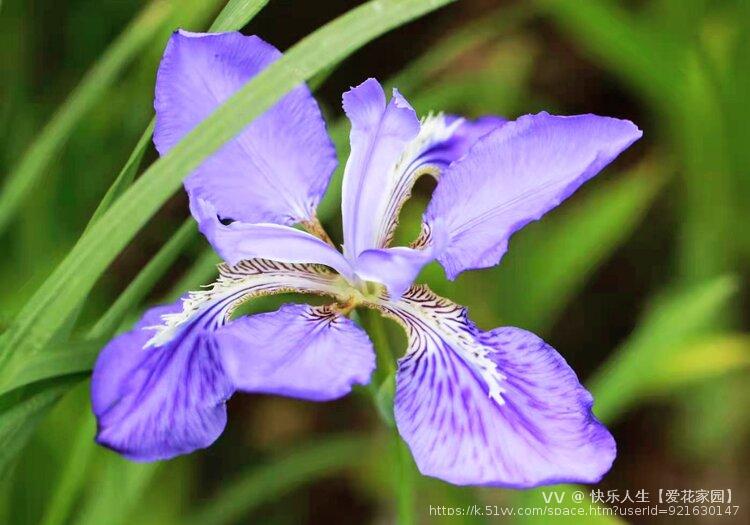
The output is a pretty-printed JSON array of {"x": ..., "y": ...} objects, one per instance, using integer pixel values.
[
  {"x": 158, "y": 393},
  {"x": 299, "y": 351},
  {"x": 380, "y": 133},
  {"x": 277, "y": 169},
  {"x": 498, "y": 408},
  {"x": 390, "y": 150},
  {"x": 158, "y": 402},
  {"x": 239, "y": 241},
  {"x": 515, "y": 175},
  {"x": 495, "y": 408},
  {"x": 461, "y": 139},
  {"x": 396, "y": 268}
]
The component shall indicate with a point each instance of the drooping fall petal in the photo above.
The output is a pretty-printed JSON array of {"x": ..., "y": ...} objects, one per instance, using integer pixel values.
[{"x": 498, "y": 408}]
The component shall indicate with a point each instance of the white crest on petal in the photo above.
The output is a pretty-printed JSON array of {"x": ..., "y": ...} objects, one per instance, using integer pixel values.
[
  {"x": 434, "y": 323},
  {"x": 434, "y": 130},
  {"x": 243, "y": 281}
]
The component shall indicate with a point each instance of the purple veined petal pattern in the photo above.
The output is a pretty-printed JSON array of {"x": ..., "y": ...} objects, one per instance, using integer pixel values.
[
  {"x": 159, "y": 390},
  {"x": 391, "y": 149},
  {"x": 278, "y": 168},
  {"x": 380, "y": 133},
  {"x": 514, "y": 175},
  {"x": 240, "y": 241},
  {"x": 156, "y": 403},
  {"x": 440, "y": 141},
  {"x": 302, "y": 351},
  {"x": 498, "y": 408},
  {"x": 454, "y": 137},
  {"x": 248, "y": 279}
]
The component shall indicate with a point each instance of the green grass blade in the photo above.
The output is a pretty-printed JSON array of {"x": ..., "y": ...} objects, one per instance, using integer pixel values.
[
  {"x": 236, "y": 14},
  {"x": 74, "y": 473},
  {"x": 675, "y": 321},
  {"x": 618, "y": 37},
  {"x": 42, "y": 151},
  {"x": 79, "y": 356},
  {"x": 47, "y": 310},
  {"x": 144, "y": 281},
  {"x": 459, "y": 42},
  {"x": 405, "y": 481},
  {"x": 72, "y": 357},
  {"x": 118, "y": 491},
  {"x": 126, "y": 176},
  {"x": 706, "y": 247},
  {"x": 260, "y": 485},
  {"x": 704, "y": 359},
  {"x": 531, "y": 291},
  {"x": 20, "y": 413}
]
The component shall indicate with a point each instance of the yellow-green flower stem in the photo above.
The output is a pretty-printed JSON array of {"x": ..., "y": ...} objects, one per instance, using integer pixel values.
[
  {"x": 404, "y": 471},
  {"x": 366, "y": 295},
  {"x": 376, "y": 328}
]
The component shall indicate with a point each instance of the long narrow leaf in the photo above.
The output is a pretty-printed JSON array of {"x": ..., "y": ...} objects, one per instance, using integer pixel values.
[
  {"x": 673, "y": 322},
  {"x": 19, "y": 416},
  {"x": 144, "y": 281},
  {"x": 236, "y": 14},
  {"x": 126, "y": 176},
  {"x": 73, "y": 474},
  {"x": 42, "y": 152},
  {"x": 47, "y": 310},
  {"x": 21, "y": 409},
  {"x": 262, "y": 484},
  {"x": 618, "y": 37},
  {"x": 118, "y": 491},
  {"x": 69, "y": 358}
]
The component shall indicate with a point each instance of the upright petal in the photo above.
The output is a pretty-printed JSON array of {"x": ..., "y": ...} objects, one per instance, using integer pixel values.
[
  {"x": 159, "y": 390},
  {"x": 380, "y": 133},
  {"x": 514, "y": 175},
  {"x": 462, "y": 134},
  {"x": 277, "y": 169},
  {"x": 300, "y": 351},
  {"x": 498, "y": 408},
  {"x": 390, "y": 150},
  {"x": 441, "y": 140},
  {"x": 239, "y": 241}
]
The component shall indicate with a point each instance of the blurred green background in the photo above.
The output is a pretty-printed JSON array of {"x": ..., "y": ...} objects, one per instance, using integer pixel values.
[{"x": 639, "y": 280}]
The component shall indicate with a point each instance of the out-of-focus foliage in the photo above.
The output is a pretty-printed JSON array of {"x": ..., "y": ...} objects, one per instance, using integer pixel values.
[{"x": 639, "y": 281}]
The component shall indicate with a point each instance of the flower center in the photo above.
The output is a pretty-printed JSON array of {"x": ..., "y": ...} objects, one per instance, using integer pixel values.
[{"x": 359, "y": 294}]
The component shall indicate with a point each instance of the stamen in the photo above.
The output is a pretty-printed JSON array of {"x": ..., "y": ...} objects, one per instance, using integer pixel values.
[
  {"x": 314, "y": 227},
  {"x": 346, "y": 307}
]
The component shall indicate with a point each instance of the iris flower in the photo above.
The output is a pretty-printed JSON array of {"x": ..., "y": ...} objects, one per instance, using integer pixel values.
[{"x": 498, "y": 407}]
